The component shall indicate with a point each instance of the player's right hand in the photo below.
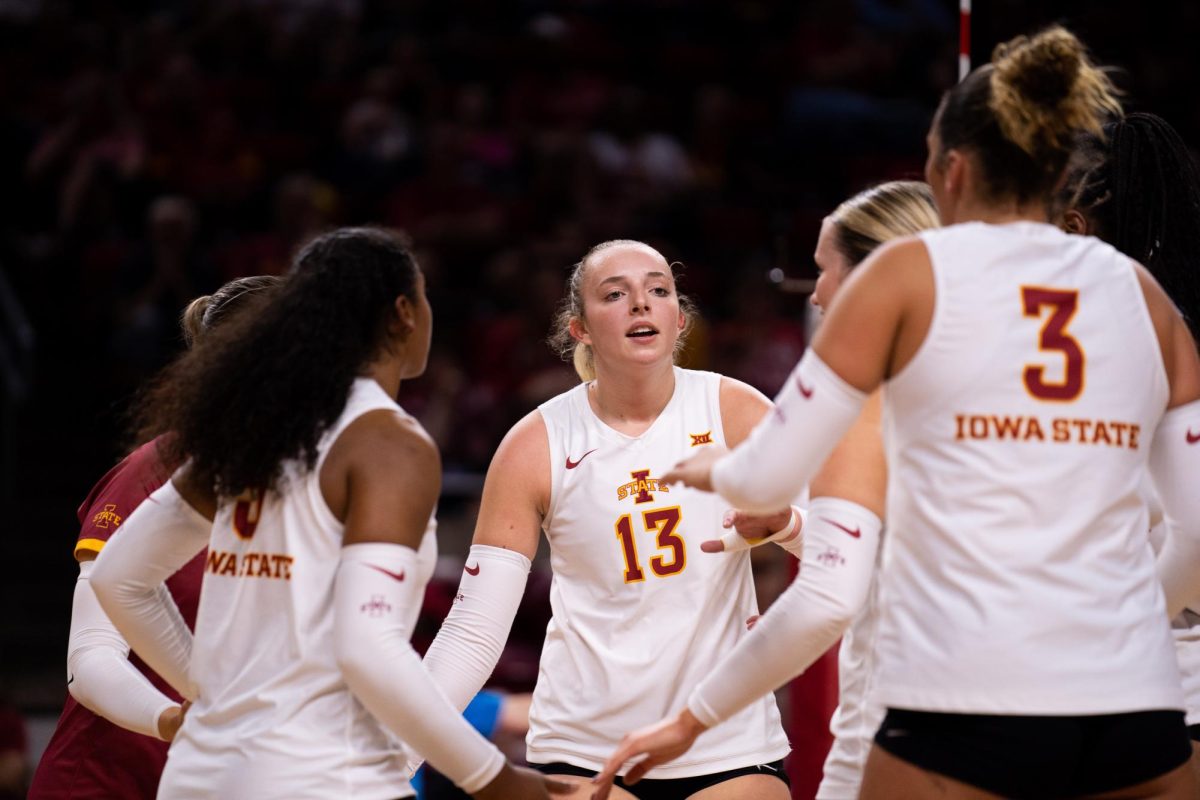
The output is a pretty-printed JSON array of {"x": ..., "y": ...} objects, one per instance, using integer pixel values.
[
  {"x": 170, "y": 720},
  {"x": 519, "y": 783}
]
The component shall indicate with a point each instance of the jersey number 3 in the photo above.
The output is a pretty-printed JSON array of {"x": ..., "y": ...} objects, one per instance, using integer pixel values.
[
  {"x": 1054, "y": 338},
  {"x": 663, "y": 522}
]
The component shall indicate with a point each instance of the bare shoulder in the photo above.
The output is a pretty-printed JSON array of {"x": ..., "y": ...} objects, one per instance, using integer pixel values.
[
  {"x": 381, "y": 450},
  {"x": 1178, "y": 348},
  {"x": 388, "y": 438},
  {"x": 1162, "y": 311},
  {"x": 880, "y": 316},
  {"x": 742, "y": 408},
  {"x": 902, "y": 259},
  {"x": 525, "y": 447}
]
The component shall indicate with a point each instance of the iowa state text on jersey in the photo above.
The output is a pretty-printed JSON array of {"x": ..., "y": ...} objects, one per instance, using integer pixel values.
[
  {"x": 251, "y": 565},
  {"x": 1063, "y": 430}
]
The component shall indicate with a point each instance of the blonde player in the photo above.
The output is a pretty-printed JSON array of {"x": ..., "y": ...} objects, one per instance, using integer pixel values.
[
  {"x": 1024, "y": 649},
  {"x": 639, "y": 615},
  {"x": 320, "y": 492},
  {"x": 853, "y": 482}
]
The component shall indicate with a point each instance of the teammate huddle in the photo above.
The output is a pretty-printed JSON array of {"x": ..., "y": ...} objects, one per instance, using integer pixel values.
[{"x": 1009, "y": 639}]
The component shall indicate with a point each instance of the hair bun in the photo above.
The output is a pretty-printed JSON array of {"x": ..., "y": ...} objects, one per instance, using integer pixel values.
[
  {"x": 1044, "y": 89},
  {"x": 1042, "y": 70}
]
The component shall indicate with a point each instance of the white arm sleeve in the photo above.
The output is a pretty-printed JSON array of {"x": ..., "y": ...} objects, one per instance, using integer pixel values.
[
  {"x": 158, "y": 538},
  {"x": 99, "y": 674},
  {"x": 375, "y": 589},
  {"x": 812, "y": 412},
  {"x": 467, "y": 647},
  {"x": 1174, "y": 463},
  {"x": 840, "y": 541}
]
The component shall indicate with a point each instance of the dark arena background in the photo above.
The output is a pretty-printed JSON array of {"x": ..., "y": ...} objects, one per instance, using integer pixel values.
[{"x": 151, "y": 151}]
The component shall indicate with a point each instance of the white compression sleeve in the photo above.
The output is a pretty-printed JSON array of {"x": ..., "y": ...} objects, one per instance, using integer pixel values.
[
  {"x": 375, "y": 589},
  {"x": 469, "y": 644},
  {"x": 159, "y": 537},
  {"x": 99, "y": 674},
  {"x": 812, "y": 412},
  {"x": 1174, "y": 462},
  {"x": 840, "y": 541}
]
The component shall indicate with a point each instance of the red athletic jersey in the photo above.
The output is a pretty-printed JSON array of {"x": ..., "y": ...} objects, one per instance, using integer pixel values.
[{"x": 88, "y": 756}]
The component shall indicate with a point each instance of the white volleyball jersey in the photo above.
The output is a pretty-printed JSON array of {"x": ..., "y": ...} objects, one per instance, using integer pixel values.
[
  {"x": 1185, "y": 628},
  {"x": 1018, "y": 577},
  {"x": 858, "y": 715},
  {"x": 274, "y": 717},
  {"x": 640, "y": 614}
]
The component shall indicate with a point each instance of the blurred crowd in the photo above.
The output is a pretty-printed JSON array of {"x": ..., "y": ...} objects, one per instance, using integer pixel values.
[
  {"x": 151, "y": 150},
  {"x": 168, "y": 147}
]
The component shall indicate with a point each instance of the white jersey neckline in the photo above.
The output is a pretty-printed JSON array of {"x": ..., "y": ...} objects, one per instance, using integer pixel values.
[{"x": 584, "y": 403}]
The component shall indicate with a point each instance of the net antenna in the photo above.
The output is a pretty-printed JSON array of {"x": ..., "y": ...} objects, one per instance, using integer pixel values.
[{"x": 964, "y": 38}]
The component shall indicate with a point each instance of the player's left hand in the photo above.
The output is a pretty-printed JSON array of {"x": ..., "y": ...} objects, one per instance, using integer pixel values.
[
  {"x": 661, "y": 742},
  {"x": 696, "y": 471},
  {"x": 746, "y": 530}
]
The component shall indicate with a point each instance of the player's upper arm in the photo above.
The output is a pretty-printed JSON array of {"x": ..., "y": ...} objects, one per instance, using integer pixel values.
[
  {"x": 857, "y": 468},
  {"x": 880, "y": 316},
  {"x": 742, "y": 408},
  {"x": 1174, "y": 340},
  {"x": 202, "y": 498},
  {"x": 393, "y": 476},
  {"x": 516, "y": 492}
]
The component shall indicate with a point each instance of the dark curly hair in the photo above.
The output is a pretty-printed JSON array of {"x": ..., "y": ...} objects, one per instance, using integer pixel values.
[
  {"x": 262, "y": 388},
  {"x": 1139, "y": 189}
]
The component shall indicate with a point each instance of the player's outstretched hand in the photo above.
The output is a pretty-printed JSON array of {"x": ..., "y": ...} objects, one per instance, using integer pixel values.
[
  {"x": 661, "y": 742},
  {"x": 520, "y": 783},
  {"x": 696, "y": 471},
  {"x": 746, "y": 530}
]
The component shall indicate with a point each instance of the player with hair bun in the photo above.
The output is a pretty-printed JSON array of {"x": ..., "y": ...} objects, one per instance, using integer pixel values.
[{"x": 1023, "y": 646}]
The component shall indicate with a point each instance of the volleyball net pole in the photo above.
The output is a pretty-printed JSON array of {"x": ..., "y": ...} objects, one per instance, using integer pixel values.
[{"x": 964, "y": 38}]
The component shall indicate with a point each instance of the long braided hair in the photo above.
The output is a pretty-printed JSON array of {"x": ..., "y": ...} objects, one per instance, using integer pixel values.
[{"x": 1139, "y": 189}]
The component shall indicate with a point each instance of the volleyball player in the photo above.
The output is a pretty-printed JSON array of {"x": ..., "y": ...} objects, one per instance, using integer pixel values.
[
  {"x": 112, "y": 737},
  {"x": 852, "y": 483},
  {"x": 317, "y": 491},
  {"x": 638, "y": 614},
  {"x": 1137, "y": 188},
  {"x": 1023, "y": 647}
]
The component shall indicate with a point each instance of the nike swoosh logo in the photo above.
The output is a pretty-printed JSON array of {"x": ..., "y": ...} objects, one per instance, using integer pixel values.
[
  {"x": 1192, "y": 438},
  {"x": 70, "y": 680},
  {"x": 856, "y": 533},
  {"x": 396, "y": 576},
  {"x": 471, "y": 570},
  {"x": 573, "y": 464},
  {"x": 804, "y": 390}
]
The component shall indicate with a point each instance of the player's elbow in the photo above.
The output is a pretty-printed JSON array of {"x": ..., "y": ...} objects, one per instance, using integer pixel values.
[
  {"x": 352, "y": 660},
  {"x": 106, "y": 585},
  {"x": 83, "y": 664}
]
